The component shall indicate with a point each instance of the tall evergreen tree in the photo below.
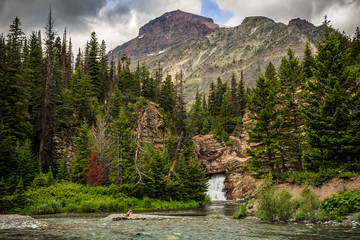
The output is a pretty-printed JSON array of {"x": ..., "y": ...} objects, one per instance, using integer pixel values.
[
  {"x": 167, "y": 95},
  {"x": 328, "y": 107},
  {"x": 121, "y": 166},
  {"x": 291, "y": 138},
  {"x": 94, "y": 67},
  {"x": 308, "y": 62},
  {"x": 81, "y": 153},
  {"x": 263, "y": 132},
  {"x": 241, "y": 96},
  {"x": 48, "y": 99}
]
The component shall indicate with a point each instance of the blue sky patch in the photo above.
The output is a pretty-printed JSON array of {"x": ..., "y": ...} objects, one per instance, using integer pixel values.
[{"x": 211, "y": 9}]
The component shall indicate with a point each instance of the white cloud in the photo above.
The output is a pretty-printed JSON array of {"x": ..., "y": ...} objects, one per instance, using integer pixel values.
[
  {"x": 115, "y": 21},
  {"x": 119, "y": 21},
  {"x": 343, "y": 14}
]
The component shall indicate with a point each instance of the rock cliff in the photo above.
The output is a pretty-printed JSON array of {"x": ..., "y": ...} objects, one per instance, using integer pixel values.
[
  {"x": 229, "y": 159},
  {"x": 151, "y": 123}
]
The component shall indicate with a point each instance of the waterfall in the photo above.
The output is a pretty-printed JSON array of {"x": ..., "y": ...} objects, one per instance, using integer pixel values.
[{"x": 216, "y": 187}]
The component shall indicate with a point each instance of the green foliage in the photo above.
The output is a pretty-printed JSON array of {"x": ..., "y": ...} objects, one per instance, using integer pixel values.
[
  {"x": 309, "y": 207},
  {"x": 240, "y": 212},
  {"x": 81, "y": 154},
  {"x": 274, "y": 205},
  {"x": 43, "y": 180},
  {"x": 264, "y": 132},
  {"x": 317, "y": 178},
  {"x": 72, "y": 197},
  {"x": 342, "y": 204}
]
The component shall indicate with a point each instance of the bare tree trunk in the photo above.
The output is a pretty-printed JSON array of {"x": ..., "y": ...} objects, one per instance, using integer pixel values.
[
  {"x": 138, "y": 138},
  {"x": 176, "y": 156}
]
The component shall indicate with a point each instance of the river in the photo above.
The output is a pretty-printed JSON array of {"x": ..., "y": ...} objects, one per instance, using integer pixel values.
[{"x": 206, "y": 222}]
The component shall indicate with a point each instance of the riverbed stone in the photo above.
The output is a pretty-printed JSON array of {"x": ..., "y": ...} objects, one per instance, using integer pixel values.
[{"x": 20, "y": 222}]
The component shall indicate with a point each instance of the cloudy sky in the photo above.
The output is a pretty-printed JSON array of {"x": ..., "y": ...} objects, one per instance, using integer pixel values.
[{"x": 117, "y": 21}]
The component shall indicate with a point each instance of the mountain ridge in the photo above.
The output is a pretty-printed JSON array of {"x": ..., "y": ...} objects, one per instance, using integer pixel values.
[{"x": 217, "y": 51}]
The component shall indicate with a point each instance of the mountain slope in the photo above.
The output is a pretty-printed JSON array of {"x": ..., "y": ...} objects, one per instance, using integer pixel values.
[
  {"x": 218, "y": 52},
  {"x": 166, "y": 31}
]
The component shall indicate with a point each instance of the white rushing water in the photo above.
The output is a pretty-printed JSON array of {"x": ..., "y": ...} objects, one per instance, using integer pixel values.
[{"x": 216, "y": 187}]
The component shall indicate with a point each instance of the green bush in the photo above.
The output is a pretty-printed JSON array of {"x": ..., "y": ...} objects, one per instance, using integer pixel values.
[
  {"x": 274, "y": 205},
  {"x": 73, "y": 197},
  {"x": 48, "y": 207},
  {"x": 240, "y": 212},
  {"x": 309, "y": 207},
  {"x": 317, "y": 178},
  {"x": 285, "y": 206},
  {"x": 342, "y": 204}
]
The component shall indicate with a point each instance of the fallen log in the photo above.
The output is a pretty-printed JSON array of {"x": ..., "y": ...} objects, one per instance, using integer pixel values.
[{"x": 127, "y": 218}]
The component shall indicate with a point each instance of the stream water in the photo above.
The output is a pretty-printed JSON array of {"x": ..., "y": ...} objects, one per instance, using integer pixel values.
[{"x": 206, "y": 222}]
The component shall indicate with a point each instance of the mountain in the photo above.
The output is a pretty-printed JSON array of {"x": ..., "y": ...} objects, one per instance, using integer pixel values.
[
  {"x": 168, "y": 30},
  {"x": 204, "y": 51}
]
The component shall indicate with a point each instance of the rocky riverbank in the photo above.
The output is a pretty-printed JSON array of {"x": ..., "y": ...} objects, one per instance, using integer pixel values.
[{"x": 19, "y": 222}]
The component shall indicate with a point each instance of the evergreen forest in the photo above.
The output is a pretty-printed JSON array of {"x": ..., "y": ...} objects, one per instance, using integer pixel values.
[{"x": 71, "y": 125}]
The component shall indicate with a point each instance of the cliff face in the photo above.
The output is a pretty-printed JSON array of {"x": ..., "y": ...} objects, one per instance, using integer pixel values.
[
  {"x": 215, "y": 157},
  {"x": 168, "y": 30},
  {"x": 151, "y": 123}
]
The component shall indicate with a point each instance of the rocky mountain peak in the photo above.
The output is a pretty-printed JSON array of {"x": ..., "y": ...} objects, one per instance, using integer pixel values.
[
  {"x": 165, "y": 31},
  {"x": 302, "y": 24},
  {"x": 178, "y": 21},
  {"x": 256, "y": 20}
]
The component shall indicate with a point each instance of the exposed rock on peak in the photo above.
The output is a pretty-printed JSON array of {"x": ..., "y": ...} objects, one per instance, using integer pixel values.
[
  {"x": 256, "y": 20},
  {"x": 165, "y": 31},
  {"x": 302, "y": 24}
]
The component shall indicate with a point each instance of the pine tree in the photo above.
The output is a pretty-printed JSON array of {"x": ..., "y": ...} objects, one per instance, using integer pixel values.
[
  {"x": 36, "y": 68},
  {"x": 81, "y": 154},
  {"x": 308, "y": 62},
  {"x": 121, "y": 166},
  {"x": 158, "y": 80},
  {"x": 81, "y": 96},
  {"x": 291, "y": 139},
  {"x": 148, "y": 89},
  {"x": 328, "y": 107},
  {"x": 26, "y": 161},
  {"x": 270, "y": 74},
  {"x": 263, "y": 132},
  {"x": 355, "y": 45},
  {"x": 15, "y": 85},
  {"x": 167, "y": 95},
  {"x": 48, "y": 99},
  {"x": 93, "y": 66},
  {"x": 104, "y": 69},
  {"x": 241, "y": 96}
]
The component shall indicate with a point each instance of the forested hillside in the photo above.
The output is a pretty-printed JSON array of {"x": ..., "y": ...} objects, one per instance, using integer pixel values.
[
  {"x": 80, "y": 121},
  {"x": 68, "y": 120}
]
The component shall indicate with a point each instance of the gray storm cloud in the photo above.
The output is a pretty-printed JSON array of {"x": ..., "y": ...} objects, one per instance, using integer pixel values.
[
  {"x": 117, "y": 21},
  {"x": 343, "y": 14}
]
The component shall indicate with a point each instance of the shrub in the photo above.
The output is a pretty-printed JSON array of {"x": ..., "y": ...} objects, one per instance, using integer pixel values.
[
  {"x": 342, "y": 204},
  {"x": 309, "y": 207},
  {"x": 48, "y": 207},
  {"x": 240, "y": 212},
  {"x": 274, "y": 205}
]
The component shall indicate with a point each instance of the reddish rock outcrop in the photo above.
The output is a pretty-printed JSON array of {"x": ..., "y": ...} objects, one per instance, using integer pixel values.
[{"x": 165, "y": 31}]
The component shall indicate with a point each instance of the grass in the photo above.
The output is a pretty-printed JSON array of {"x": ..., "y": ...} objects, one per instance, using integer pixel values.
[{"x": 68, "y": 197}]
